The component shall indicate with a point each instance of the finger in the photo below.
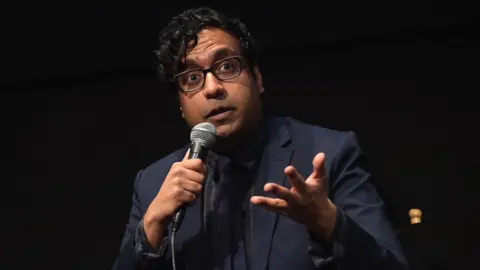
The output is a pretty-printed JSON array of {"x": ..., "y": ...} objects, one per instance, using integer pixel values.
[
  {"x": 318, "y": 166},
  {"x": 191, "y": 186},
  {"x": 295, "y": 178},
  {"x": 280, "y": 191},
  {"x": 195, "y": 176},
  {"x": 187, "y": 196},
  {"x": 186, "y": 154},
  {"x": 279, "y": 204},
  {"x": 181, "y": 195},
  {"x": 195, "y": 165}
]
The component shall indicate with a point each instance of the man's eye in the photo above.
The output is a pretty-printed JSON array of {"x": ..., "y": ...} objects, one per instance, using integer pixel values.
[
  {"x": 226, "y": 67},
  {"x": 193, "y": 78}
]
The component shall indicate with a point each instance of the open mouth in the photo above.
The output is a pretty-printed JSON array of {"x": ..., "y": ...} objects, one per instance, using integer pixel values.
[{"x": 219, "y": 111}]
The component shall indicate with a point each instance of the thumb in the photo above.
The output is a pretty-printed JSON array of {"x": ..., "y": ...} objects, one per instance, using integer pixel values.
[
  {"x": 186, "y": 154},
  {"x": 318, "y": 166}
]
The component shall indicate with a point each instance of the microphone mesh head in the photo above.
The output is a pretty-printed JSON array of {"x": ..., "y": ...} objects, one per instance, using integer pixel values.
[{"x": 204, "y": 133}]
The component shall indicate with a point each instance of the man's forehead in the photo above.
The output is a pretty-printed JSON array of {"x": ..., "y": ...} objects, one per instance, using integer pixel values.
[
  {"x": 214, "y": 54},
  {"x": 212, "y": 43}
]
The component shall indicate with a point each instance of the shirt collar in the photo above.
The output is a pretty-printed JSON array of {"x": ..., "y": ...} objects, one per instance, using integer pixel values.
[{"x": 248, "y": 153}]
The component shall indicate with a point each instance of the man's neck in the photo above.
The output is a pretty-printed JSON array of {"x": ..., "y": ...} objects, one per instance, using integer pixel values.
[{"x": 242, "y": 143}]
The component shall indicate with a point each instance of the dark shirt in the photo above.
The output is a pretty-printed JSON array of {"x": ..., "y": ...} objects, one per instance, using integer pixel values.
[{"x": 228, "y": 212}]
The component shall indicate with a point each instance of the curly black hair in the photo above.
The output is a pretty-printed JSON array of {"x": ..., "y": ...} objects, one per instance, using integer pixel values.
[{"x": 183, "y": 29}]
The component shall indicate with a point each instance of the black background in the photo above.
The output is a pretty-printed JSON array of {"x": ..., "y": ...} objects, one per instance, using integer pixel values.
[{"x": 79, "y": 89}]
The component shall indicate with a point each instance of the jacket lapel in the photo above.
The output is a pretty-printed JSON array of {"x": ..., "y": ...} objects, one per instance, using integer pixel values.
[{"x": 276, "y": 157}]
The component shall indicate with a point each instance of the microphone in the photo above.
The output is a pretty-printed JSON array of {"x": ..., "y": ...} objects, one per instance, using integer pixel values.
[{"x": 202, "y": 137}]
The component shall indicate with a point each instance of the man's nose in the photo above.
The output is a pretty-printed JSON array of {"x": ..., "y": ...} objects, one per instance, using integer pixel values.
[{"x": 213, "y": 87}]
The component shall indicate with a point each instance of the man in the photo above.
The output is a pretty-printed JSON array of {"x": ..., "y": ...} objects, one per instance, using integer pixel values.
[{"x": 273, "y": 193}]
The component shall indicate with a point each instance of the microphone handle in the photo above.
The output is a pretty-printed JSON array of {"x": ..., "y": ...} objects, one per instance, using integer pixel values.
[
  {"x": 178, "y": 218},
  {"x": 197, "y": 150}
]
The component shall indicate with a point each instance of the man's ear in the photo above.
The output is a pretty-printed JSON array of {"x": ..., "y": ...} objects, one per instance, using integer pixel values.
[
  {"x": 181, "y": 110},
  {"x": 258, "y": 77}
]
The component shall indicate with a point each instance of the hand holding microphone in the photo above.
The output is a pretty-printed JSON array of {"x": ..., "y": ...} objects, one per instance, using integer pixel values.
[{"x": 182, "y": 185}]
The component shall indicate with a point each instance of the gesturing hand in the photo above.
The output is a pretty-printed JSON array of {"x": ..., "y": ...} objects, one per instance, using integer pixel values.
[{"x": 306, "y": 202}]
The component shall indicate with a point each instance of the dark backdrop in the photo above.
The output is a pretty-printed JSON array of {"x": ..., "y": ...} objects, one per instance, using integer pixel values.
[{"x": 79, "y": 88}]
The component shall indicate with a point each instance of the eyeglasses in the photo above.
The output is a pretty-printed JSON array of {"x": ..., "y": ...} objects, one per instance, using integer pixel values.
[{"x": 194, "y": 79}]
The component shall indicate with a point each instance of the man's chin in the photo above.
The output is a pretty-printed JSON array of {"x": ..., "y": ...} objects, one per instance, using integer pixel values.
[{"x": 225, "y": 130}]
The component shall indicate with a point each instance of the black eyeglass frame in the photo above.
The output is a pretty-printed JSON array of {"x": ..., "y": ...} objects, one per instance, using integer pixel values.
[{"x": 209, "y": 69}]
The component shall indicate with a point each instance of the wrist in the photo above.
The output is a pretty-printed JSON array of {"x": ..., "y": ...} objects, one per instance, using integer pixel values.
[
  {"x": 154, "y": 221},
  {"x": 154, "y": 228},
  {"x": 324, "y": 221}
]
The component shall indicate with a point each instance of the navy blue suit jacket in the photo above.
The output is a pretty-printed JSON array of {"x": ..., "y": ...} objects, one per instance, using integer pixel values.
[{"x": 362, "y": 238}]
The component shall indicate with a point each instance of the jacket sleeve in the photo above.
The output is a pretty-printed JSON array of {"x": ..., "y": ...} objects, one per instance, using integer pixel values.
[
  {"x": 135, "y": 251},
  {"x": 363, "y": 237}
]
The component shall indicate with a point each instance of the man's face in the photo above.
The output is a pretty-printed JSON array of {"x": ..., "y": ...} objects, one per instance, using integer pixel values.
[{"x": 231, "y": 105}]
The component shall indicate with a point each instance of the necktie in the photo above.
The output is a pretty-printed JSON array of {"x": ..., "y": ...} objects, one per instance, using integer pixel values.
[{"x": 226, "y": 193}]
